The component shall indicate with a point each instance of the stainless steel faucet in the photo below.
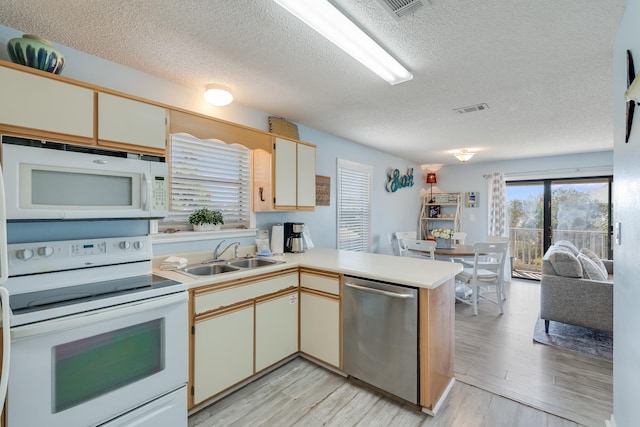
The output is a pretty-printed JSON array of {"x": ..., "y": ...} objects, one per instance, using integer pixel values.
[{"x": 217, "y": 255}]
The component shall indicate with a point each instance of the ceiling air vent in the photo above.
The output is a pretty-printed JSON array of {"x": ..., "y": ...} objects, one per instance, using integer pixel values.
[
  {"x": 401, "y": 8},
  {"x": 471, "y": 108}
]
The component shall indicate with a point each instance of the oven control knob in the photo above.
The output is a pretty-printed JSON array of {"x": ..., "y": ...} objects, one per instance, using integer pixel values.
[
  {"x": 45, "y": 251},
  {"x": 24, "y": 254},
  {"x": 125, "y": 245},
  {"x": 138, "y": 245}
]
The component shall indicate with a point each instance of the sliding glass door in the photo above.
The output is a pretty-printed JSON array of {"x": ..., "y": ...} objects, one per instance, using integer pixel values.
[
  {"x": 581, "y": 214},
  {"x": 545, "y": 211}
]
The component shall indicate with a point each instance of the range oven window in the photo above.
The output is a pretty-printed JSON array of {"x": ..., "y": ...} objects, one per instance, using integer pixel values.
[{"x": 93, "y": 366}]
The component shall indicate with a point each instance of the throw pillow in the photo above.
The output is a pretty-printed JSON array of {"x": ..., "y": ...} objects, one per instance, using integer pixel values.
[
  {"x": 567, "y": 244},
  {"x": 590, "y": 269},
  {"x": 596, "y": 259},
  {"x": 565, "y": 264}
]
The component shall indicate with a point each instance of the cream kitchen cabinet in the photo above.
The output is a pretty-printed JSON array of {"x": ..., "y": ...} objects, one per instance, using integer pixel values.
[
  {"x": 320, "y": 330},
  {"x": 223, "y": 350},
  {"x": 226, "y": 348},
  {"x": 45, "y": 107},
  {"x": 130, "y": 122},
  {"x": 276, "y": 328},
  {"x": 285, "y": 179}
]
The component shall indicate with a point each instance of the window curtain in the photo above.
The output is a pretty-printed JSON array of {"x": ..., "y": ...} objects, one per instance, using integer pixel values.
[{"x": 498, "y": 214}]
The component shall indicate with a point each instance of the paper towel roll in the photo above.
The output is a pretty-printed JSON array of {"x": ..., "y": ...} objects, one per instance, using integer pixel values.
[{"x": 277, "y": 239}]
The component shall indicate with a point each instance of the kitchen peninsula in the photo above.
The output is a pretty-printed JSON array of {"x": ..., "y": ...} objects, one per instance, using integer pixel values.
[{"x": 240, "y": 320}]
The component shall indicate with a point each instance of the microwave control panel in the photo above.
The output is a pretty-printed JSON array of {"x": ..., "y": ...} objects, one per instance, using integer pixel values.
[{"x": 160, "y": 193}]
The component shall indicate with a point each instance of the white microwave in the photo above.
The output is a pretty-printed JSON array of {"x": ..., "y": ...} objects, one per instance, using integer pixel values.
[{"x": 55, "y": 181}]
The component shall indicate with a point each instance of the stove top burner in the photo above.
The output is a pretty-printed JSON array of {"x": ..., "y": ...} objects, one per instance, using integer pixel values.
[{"x": 53, "y": 298}]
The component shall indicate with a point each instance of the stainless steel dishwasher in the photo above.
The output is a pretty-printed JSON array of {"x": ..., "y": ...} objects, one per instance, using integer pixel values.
[{"x": 380, "y": 335}]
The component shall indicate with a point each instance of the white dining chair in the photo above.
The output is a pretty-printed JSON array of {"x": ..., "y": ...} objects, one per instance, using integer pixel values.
[
  {"x": 486, "y": 277},
  {"x": 459, "y": 237},
  {"x": 420, "y": 248},
  {"x": 494, "y": 239},
  {"x": 400, "y": 236}
]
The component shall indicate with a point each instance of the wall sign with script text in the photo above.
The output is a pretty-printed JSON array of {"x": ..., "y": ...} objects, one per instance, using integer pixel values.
[{"x": 397, "y": 181}]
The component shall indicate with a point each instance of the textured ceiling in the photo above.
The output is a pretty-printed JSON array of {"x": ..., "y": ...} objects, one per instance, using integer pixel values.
[{"x": 543, "y": 67}]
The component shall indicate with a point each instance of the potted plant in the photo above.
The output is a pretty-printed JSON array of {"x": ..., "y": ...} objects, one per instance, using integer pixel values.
[{"x": 205, "y": 219}]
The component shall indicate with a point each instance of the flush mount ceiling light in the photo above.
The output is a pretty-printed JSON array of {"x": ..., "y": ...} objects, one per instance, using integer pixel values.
[
  {"x": 218, "y": 95},
  {"x": 464, "y": 155},
  {"x": 326, "y": 19}
]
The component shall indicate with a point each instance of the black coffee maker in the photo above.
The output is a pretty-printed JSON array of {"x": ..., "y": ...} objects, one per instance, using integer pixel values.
[{"x": 293, "y": 240}]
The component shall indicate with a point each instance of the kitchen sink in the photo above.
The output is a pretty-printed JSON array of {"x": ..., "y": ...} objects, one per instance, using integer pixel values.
[
  {"x": 234, "y": 265},
  {"x": 209, "y": 269},
  {"x": 252, "y": 262}
]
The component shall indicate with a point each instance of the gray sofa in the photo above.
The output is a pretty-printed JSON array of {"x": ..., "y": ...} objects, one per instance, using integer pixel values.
[{"x": 572, "y": 291}]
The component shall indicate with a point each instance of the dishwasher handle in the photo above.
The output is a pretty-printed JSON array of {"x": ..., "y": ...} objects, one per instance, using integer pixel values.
[{"x": 379, "y": 291}]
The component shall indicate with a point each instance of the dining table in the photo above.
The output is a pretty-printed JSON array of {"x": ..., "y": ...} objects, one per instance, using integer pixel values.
[{"x": 456, "y": 250}]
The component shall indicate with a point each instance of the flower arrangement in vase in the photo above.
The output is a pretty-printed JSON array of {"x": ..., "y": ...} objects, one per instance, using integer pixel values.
[
  {"x": 443, "y": 233},
  {"x": 205, "y": 219},
  {"x": 443, "y": 237}
]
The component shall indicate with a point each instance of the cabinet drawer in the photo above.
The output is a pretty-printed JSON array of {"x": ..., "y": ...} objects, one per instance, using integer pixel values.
[
  {"x": 329, "y": 283},
  {"x": 233, "y": 294}
]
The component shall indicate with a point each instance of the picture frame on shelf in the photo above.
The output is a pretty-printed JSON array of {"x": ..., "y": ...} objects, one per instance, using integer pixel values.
[{"x": 434, "y": 211}]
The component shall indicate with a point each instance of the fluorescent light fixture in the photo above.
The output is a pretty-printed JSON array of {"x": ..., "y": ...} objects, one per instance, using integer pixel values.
[
  {"x": 326, "y": 19},
  {"x": 218, "y": 95},
  {"x": 464, "y": 155}
]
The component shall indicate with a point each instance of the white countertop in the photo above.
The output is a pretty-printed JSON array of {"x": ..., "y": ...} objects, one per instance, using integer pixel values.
[{"x": 419, "y": 273}]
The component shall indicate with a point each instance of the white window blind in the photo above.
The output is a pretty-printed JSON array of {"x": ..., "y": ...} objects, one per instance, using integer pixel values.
[
  {"x": 354, "y": 206},
  {"x": 212, "y": 174}
]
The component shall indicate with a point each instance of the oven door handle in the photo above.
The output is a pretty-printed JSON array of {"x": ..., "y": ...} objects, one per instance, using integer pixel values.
[{"x": 103, "y": 315}]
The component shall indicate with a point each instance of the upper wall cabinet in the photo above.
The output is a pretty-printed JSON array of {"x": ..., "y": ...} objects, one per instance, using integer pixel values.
[
  {"x": 285, "y": 178},
  {"x": 127, "y": 121},
  {"x": 45, "y": 107}
]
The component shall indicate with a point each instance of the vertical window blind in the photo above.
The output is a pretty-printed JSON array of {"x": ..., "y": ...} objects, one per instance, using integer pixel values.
[
  {"x": 212, "y": 174},
  {"x": 354, "y": 206}
]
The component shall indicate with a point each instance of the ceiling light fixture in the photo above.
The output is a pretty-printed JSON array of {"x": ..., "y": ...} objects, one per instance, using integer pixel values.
[
  {"x": 218, "y": 95},
  {"x": 326, "y": 19},
  {"x": 464, "y": 155}
]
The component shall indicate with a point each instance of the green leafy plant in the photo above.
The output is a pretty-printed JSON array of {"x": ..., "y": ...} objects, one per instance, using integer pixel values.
[{"x": 206, "y": 216}]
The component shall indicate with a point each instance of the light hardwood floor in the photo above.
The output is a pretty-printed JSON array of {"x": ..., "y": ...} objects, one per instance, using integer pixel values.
[
  {"x": 502, "y": 377},
  {"x": 497, "y": 354}
]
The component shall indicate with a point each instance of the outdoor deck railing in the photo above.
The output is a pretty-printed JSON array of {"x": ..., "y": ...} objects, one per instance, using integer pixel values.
[{"x": 527, "y": 249}]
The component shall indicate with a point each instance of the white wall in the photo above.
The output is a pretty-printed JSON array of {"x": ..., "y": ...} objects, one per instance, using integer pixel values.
[
  {"x": 626, "y": 319},
  {"x": 465, "y": 177}
]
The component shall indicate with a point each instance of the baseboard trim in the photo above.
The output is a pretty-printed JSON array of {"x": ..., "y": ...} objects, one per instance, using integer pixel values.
[{"x": 440, "y": 401}]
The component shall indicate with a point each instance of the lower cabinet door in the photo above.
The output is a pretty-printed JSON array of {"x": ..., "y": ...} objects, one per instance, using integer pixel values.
[
  {"x": 276, "y": 329},
  {"x": 223, "y": 351},
  {"x": 320, "y": 327}
]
